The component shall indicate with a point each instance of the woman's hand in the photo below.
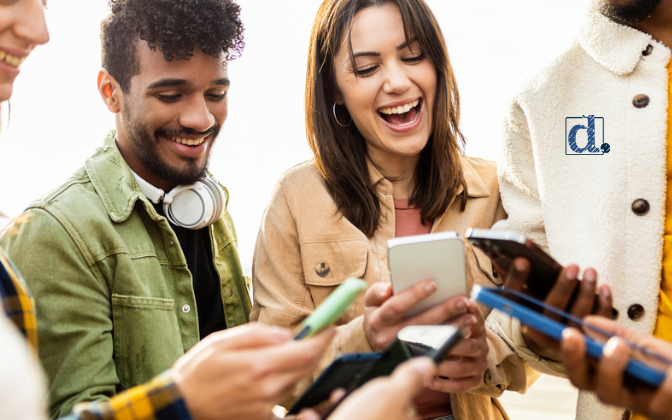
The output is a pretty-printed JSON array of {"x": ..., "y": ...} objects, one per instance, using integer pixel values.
[
  {"x": 462, "y": 370},
  {"x": 606, "y": 380},
  {"x": 384, "y": 313}
]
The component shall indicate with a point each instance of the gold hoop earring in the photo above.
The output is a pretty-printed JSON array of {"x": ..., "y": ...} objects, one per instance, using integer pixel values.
[{"x": 336, "y": 118}]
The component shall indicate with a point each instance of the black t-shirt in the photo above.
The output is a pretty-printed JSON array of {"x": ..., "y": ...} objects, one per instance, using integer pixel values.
[{"x": 197, "y": 249}]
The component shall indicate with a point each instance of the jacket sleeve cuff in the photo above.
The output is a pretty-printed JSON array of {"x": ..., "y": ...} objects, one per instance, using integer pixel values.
[
  {"x": 510, "y": 330},
  {"x": 351, "y": 338},
  {"x": 158, "y": 399},
  {"x": 505, "y": 371}
]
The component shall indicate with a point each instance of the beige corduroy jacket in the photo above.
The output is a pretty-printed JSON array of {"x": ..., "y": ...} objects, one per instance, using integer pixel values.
[{"x": 303, "y": 233}]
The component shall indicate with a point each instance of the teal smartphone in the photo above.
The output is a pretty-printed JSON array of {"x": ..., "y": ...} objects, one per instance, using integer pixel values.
[{"x": 332, "y": 308}]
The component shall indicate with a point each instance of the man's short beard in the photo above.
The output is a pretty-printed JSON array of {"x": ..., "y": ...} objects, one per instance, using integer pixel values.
[
  {"x": 150, "y": 158},
  {"x": 629, "y": 14},
  {"x": 185, "y": 176}
]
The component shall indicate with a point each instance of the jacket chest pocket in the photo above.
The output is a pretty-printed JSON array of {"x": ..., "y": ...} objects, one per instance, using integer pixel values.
[
  {"x": 328, "y": 264},
  {"x": 481, "y": 269},
  {"x": 146, "y": 337}
]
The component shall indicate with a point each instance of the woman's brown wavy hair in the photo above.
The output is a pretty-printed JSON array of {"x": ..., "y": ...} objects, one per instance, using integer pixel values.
[{"x": 340, "y": 152}]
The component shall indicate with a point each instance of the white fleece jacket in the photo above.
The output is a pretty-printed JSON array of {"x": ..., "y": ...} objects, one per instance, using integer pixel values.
[{"x": 580, "y": 206}]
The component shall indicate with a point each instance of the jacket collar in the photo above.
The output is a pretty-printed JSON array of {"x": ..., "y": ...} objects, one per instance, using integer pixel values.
[
  {"x": 475, "y": 186},
  {"x": 113, "y": 181},
  {"x": 616, "y": 47}
]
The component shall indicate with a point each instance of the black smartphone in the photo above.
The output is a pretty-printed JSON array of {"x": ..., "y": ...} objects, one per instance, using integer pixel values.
[
  {"x": 434, "y": 341},
  {"x": 344, "y": 372},
  {"x": 503, "y": 247}
]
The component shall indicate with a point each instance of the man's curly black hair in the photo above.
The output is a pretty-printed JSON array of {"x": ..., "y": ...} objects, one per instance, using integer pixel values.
[{"x": 175, "y": 27}]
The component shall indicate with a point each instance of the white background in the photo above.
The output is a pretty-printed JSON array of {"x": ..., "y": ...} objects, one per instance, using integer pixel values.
[{"x": 58, "y": 119}]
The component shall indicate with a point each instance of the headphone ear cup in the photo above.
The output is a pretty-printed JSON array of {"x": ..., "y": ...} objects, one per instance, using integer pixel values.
[{"x": 220, "y": 198}]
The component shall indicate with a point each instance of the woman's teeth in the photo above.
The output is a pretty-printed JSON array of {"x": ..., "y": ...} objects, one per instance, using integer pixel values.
[
  {"x": 402, "y": 109},
  {"x": 187, "y": 142},
  {"x": 11, "y": 60}
]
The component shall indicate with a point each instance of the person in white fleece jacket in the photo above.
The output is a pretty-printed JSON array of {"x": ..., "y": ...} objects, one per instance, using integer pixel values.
[{"x": 583, "y": 172}]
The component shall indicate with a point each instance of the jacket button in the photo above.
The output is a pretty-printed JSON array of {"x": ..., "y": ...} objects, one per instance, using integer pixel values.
[
  {"x": 322, "y": 269},
  {"x": 229, "y": 292},
  {"x": 648, "y": 50},
  {"x": 640, "y": 101},
  {"x": 640, "y": 207},
  {"x": 487, "y": 377},
  {"x": 635, "y": 311},
  {"x": 186, "y": 309},
  {"x": 171, "y": 242}
]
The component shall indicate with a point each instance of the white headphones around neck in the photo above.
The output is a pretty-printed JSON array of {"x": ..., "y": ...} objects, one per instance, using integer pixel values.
[{"x": 192, "y": 206}]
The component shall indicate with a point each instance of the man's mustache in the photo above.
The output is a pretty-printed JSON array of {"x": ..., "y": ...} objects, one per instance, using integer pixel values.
[{"x": 187, "y": 132}]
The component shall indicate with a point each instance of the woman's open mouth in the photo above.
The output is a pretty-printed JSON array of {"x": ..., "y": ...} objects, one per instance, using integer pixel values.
[{"x": 401, "y": 115}]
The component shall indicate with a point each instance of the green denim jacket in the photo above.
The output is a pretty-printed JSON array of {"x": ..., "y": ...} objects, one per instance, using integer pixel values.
[{"x": 114, "y": 297}]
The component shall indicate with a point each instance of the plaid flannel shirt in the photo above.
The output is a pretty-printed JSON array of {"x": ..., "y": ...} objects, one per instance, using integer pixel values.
[{"x": 158, "y": 399}]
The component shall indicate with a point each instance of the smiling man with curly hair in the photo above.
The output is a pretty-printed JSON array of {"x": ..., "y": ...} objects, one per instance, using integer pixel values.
[{"x": 134, "y": 259}]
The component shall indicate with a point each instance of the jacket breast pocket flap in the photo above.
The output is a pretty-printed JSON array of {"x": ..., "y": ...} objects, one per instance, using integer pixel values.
[
  {"x": 147, "y": 338},
  {"x": 330, "y": 263},
  {"x": 483, "y": 265}
]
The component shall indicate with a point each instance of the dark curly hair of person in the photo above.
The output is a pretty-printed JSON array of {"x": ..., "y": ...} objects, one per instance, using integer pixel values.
[{"x": 175, "y": 27}]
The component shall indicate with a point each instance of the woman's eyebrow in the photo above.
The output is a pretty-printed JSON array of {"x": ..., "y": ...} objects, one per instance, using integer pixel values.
[{"x": 407, "y": 43}]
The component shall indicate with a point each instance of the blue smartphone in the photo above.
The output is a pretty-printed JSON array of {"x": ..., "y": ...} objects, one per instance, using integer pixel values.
[{"x": 530, "y": 312}]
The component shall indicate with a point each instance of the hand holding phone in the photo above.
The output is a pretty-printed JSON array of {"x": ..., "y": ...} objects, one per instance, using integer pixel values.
[
  {"x": 344, "y": 372},
  {"x": 388, "y": 398},
  {"x": 606, "y": 378},
  {"x": 437, "y": 340},
  {"x": 504, "y": 247},
  {"x": 435, "y": 256},
  {"x": 530, "y": 312}
]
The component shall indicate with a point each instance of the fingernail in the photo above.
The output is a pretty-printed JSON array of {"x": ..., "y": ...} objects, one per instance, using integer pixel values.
[
  {"x": 463, "y": 304},
  {"x": 571, "y": 272},
  {"x": 605, "y": 291},
  {"x": 589, "y": 275},
  {"x": 610, "y": 348},
  {"x": 520, "y": 264},
  {"x": 470, "y": 321},
  {"x": 384, "y": 291},
  {"x": 430, "y": 288},
  {"x": 281, "y": 334},
  {"x": 567, "y": 341}
]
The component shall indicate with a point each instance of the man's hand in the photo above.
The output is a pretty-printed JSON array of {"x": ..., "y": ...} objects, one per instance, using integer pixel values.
[
  {"x": 606, "y": 380},
  {"x": 241, "y": 373},
  {"x": 559, "y": 297},
  {"x": 384, "y": 313}
]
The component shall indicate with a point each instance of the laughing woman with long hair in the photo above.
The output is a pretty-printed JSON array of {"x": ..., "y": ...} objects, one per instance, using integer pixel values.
[{"x": 382, "y": 116}]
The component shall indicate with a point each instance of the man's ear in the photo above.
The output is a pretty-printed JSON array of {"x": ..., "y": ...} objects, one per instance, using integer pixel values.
[{"x": 109, "y": 90}]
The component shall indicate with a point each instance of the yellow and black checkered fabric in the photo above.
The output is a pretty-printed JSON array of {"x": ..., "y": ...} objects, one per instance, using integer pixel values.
[{"x": 16, "y": 301}]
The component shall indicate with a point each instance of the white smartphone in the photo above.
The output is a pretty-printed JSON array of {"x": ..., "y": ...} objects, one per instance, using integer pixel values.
[{"x": 436, "y": 256}]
